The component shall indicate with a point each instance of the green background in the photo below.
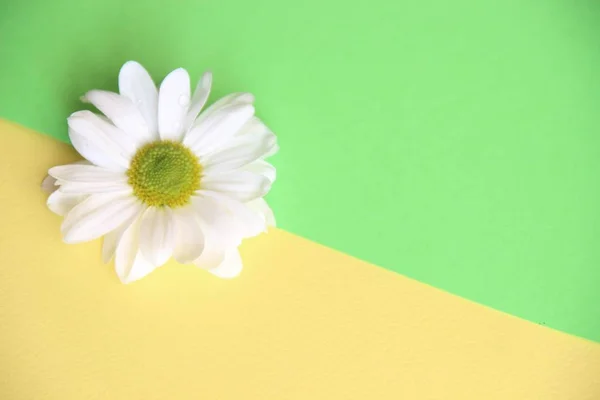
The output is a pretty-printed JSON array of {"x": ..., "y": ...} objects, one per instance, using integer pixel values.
[{"x": 455, "y": 142}]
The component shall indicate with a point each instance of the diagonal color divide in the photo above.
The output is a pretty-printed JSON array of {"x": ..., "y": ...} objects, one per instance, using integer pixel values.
[
  {"x": 301, "y": 322},
  {"x": 453, "y": 142}
]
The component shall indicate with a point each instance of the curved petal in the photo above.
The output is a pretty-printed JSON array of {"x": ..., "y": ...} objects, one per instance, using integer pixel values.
[
  {"x": 245, "y": 221},
  {"x": 260, "y": 206},
  {"x": 49, "y": 184},
  {"x": 127, "y": 250},
  {"x": 240, "y": 185},
  {"x": 230, "y": 99},
  {"x": 248, "y": 221},
  {"x": 240, "y": 152},
  {"x": 136, "y": 84},
  {"x": 100, "y": 142},
  {"x": 85, "y": 174},
  {"x": 122, "y": 112},
  {"x": 87, "y": 179},
  {"x": 173, "y": 102},
  {"x": 225, "y": 223},
  {"x": 98, "y": 215},
  {"x": 211, "y": 257},
  {"x": 256, "y": 130},
  {"x": 218, "y": 129},
  {"x": 130, "y": 264},
  {"x": 261, "y": 167},
  {"x": 189, "y": 238},
  {"x": 84, "y": 188},
  {"x": 198, "y": 99},
  {"x": 213, "y": 252},
  {"x": 61, "y": 203},
  {"x": 139, "y": 269},
  {"x": 111, "y": 240},
  {"x": 230, "y": 267},
  {"x": 157, "y": 236},
  {"x": 217, "y": 222}
]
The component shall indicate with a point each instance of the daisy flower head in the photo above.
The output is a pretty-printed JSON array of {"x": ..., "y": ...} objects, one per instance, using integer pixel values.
[{"x": 164, "y": 178}]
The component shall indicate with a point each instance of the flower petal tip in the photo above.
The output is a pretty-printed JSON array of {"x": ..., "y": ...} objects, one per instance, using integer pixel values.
[{"x": 48, "y": 185}]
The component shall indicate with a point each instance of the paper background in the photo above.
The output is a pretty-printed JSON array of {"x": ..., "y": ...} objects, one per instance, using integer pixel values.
[
  {"x": 453, "y": 142},
  {"x": 301, "y": 322}
]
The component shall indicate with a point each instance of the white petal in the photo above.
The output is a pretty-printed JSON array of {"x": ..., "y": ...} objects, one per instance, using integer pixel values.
[
  {"x": 122, "y": 112},
  {"x": 139, "y": 269},
  {"x": 87, "y": 179},
  {"x": 157, "y": 236},
  {"x": 111, "y": 240},
  {"x": 249, "y": 222},
  {"x": 211, "y": 257},
  {"x": 215, "y": 244},
  {"x": 272, "y": 151},
  {"x": 127, "y": 249},
  {"x": 61, "y": 203},
  {"x": 95, "y": 187},
  {"x": 254, "y": 127},
  {"x": 130, "y": 265},
  {"x": 86, "y": 174},
  {"x": 218, "y": 223},
  {"x": 49, "y": 184},
  {"x": 136, "y": 84},
  {"x": 263, "y": 168},
  {"x": 256, "y": 130},
  {"x": 198, "y": 99},
  {"x": 230, "y": 267},
  {"x": 98, "y": 215},
  {"x": 229, "y": 100},
  {"x": 207, "y": 209},
  {"x": 240, "y": 152},
  {"x": 240, "y": 185},
  {"x": 218, "y": 129},
  {"x": 100, "y": 142},
  {"x": 173, "y": 102},
  {"x": 261, "y": 206},
  {"x": 245, "y": 221},
  {"x": 189, "y": 238},
  {"x": 232, "y": 221}
]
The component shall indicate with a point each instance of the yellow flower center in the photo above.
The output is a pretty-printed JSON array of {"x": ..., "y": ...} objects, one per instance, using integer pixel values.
[{"x": 164, "y": 173}]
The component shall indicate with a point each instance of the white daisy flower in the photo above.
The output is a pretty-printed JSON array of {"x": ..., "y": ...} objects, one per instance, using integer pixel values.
[{"x": 163, "y": 180}]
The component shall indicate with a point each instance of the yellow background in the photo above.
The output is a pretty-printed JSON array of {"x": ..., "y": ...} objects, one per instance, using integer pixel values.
[{"x": 302, "y": 321}]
